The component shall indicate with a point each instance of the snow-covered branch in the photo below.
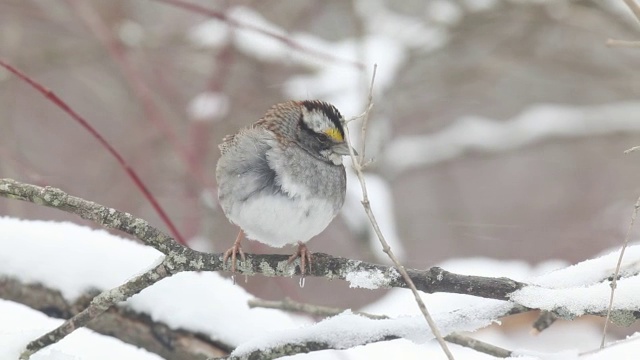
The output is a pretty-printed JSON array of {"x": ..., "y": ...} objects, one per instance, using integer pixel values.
[
  {"x": 99, "y": 304},
  {"x": 317, "y": 310},
  {"x": 131, "y": 326},
  {"x": 571, "y": 292}
]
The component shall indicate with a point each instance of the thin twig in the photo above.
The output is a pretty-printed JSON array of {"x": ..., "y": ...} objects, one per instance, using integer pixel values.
[
  {"x": 544, "y": 320},
  {"x": 365, "y": 119},
  {"x": 478, "y": 345},
  {"x": 358, "y": 167},
  {"x": 614, "y": 281},
  {"x": 316, "y": 310},
  {"x": 99, "y": 305},
  {"x": 635, "y": 9}
]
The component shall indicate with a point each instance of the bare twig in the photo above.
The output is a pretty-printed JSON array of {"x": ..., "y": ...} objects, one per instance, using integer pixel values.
[
  {"x": 358, "y": 167},
  {"x": 365, "y": 118},
  {"x": 546, "y": 319},
  {"x": 614, "y": 281},
  {"x": 635, "y": 9},
  {"x": 101, "y": 215},
  {"x": 478, "y": 345},
  {"x": 99, "y": 305},
  {"x": 310, "y": 309}
]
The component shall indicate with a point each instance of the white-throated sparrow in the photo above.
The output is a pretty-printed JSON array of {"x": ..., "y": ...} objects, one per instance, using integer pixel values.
[{"x": 281, "y": 180}]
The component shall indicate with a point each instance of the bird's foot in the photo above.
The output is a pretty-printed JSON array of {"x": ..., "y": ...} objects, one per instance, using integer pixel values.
[
  {"x": 233, "y": 253},
  {"x": 305, "y": 258}
]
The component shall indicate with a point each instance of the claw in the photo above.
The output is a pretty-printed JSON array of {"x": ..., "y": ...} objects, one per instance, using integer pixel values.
[
  {"x": 305, "y": 258},
  {"x": 233, "y": 253}
]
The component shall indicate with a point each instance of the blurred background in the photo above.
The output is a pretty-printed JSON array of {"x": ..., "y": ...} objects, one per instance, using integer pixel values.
[{"x": 498, "y": 127}]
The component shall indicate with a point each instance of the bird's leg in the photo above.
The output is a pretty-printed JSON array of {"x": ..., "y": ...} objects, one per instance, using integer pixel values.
[
  {"x": 233, "y": 252},
  {"x": 305, "y": 257}
]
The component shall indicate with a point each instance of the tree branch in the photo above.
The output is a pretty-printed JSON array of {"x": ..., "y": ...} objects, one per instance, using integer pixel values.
[
  {"x": 179, "y": 258},
  {"x": 298, "y": 348},
  {"x": 98, "y": 305},
  {"x": 120, "y": 322},
  {"x": 431, "y": 280},
  {"x": 455, "y": 338}
]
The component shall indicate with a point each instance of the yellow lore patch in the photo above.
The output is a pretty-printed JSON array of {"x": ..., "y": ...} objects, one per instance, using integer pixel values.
[{"x": 334, "y": 134}]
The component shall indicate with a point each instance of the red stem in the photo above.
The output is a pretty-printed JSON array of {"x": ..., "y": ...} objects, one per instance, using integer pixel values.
[
  {"x": 132, "y": 174},
  {"x": 136, "y": 82}
]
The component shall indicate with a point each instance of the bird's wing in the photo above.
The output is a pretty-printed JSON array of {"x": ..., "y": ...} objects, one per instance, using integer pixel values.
[{"x": 245, "y": 166}]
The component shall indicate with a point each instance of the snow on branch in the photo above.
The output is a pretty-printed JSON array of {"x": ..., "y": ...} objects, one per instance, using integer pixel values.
[
  {"x": 131, "y": 326},
  {"x": 349, "y": 330},
  {"x": 574, "y": 291}
]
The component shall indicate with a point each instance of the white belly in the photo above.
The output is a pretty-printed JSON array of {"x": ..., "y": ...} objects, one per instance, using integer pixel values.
[{"x": 278, "y": 221}]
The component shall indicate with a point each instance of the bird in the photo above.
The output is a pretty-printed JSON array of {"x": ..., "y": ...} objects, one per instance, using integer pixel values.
[{"x": 282, "y": 178}]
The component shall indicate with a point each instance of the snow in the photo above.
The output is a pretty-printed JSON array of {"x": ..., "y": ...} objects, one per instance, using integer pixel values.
[
  {"x": 348, "y": 330},
  {"x": 21, "y": 324},
  {"x": 480, "y": 5},
  {"x": 581, "y": 287},
  {"x": 131, "y": 33},
  {"x": 83, "y": 258},
  {"x": 444, "y": 12},
  {"x": 408, "y": 31},
  {"x": 371, "y": 279},
  {"x": 74, "y": 258},
  {"x": 257, "y": 44},
  {"x": 408, "y": 350},
  {"x": 561, "y": 339},
  {"x": 347, "y": 87},
  {"x": 207, "y": 303},
  {"x": 620, "y": 350},
  {"x": 209, "y": 34},
  {"x": 536, "y": 124},
  {"x": 208, "y": 106}
]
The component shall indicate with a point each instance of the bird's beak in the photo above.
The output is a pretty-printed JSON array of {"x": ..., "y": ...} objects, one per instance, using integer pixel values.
[{"x": 342, "y": 149}]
